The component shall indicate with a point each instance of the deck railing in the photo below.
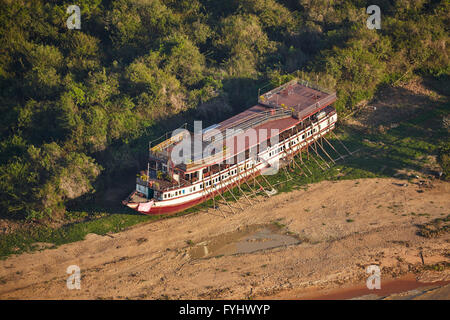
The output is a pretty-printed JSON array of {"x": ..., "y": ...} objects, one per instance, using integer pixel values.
[{"x": 264, "y": 99}]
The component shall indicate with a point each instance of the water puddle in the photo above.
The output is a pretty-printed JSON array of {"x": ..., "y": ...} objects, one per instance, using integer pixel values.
[
  {"x": 404, "y": 288},
  {"x": 247, "y": 239}
]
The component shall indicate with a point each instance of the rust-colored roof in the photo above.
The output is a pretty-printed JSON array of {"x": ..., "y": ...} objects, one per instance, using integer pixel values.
[
  {"x": 280, "y": 108},
  {"x": 302, "y": 100}
]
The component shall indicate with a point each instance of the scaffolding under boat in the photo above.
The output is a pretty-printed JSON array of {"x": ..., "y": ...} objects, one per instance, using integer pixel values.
[{"x": 298, "y": 112}]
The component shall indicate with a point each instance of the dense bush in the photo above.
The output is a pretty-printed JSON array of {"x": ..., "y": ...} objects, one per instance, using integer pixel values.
[{"x": 73, "y": 100}]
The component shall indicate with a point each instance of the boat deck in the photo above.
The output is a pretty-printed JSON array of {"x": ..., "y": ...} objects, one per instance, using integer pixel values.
[
  {"x": 302, "y": 99},
  {"x": 278, "y": 109}
]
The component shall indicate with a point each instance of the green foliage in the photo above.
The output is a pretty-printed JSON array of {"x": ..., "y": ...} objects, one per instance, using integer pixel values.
[
  {"x": 444, "y": 158},
  {"x": 74, "y": 102}
]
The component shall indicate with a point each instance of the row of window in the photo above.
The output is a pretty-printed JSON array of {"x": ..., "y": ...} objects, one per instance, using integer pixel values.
[
  {"x": 207, "y": 183},
  {"x": 181, "y": 192},
  {"x": 234, "y": 171},
  {"x": 293, "y": 142}
]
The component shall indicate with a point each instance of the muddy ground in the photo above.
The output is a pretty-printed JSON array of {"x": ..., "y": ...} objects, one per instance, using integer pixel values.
[{"x": 286, "y": 246}]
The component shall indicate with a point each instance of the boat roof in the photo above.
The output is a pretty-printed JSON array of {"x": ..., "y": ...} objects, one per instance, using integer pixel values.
[{"x": 278, "y": 109}]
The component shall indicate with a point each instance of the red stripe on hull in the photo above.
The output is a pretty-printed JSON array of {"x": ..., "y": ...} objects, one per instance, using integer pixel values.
[
  {"x": 173, "y": 209},
  {"x": 182, "y": 206}
]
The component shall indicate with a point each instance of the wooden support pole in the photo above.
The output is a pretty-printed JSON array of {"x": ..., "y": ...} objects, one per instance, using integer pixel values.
[
  {"x": 267, "y": 181},
  {"x": 335, "y": 136},
  {"x": 213, "y": 195},
  {"x": 298, "y": 166},
  {"x": 340, "y": 156},
  {"x": 323, "y": 149},
  {"x": 317, "y": 162},
  {"x": 288, "y": 176},
  {"x": 230, "y": 191},
  {"x": 239, "y": 185},
  {"x": 303, "y": 163},
  {"x": 315, "y": 143},
  {"x": 256, "y": 181},
  {"x": 225, "y": 200},
  {"x": 214, "y": 201},
  {"x": 321, "y": 156},
  {"x": 248, "y": 177}
]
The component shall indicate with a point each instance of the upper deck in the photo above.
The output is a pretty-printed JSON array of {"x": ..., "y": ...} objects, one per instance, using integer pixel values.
[
  {"x": 280, "y": 108},
  {"x": 302, "y": 98}
]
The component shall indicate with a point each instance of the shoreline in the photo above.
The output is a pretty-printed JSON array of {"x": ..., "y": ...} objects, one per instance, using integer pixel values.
[
  {"x": 390, "y": 287},
  {"x": 338, "y": 237}
]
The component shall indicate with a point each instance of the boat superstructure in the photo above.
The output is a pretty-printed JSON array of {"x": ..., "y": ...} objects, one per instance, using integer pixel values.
[{"x": 191, "y": 167}]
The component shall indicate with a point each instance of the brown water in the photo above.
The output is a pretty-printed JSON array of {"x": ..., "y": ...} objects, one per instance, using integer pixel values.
[
  {"x": 244, "y": 240},
  {"x": 406, "y": 287}
]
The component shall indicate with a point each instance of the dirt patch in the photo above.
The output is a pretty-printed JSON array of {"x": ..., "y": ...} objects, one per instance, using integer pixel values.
[
  {"x": 435, "y": 228},
  {"x": 247, "y": 239},
  {"x": 333, "y": 252},
  {"x": 393, "y": 105}
]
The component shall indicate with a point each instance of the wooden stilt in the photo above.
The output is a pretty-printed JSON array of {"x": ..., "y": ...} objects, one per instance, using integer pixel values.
[
  {"x": 239, "y": 186},
  {"x": 315, "y": 143},
  {"x": 256, "y": 181},
  {"x": 317, "y": 161},
  {"x": 317, "y": 153},
  {"x": 248, "y": 177},
  {"x": 336, "y": 137},
  {"x": 298, "y": 166},
  {"x": 230, "y": 191},
  {"x": 340, "y": 156},
  {"x": 326, "y": 153},
  {"x": 267, "y": 181},
  {"x": 225, "y": 200},
  {"x": 214, "y": 202},
  {"x": 303, "y": 163}
]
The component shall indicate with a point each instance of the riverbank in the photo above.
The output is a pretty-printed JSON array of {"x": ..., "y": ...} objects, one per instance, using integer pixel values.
[{"x": 340, "y": 227}]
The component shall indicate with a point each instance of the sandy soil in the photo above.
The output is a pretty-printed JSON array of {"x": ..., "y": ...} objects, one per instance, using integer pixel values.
[{"x": 343, "y": 227}]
